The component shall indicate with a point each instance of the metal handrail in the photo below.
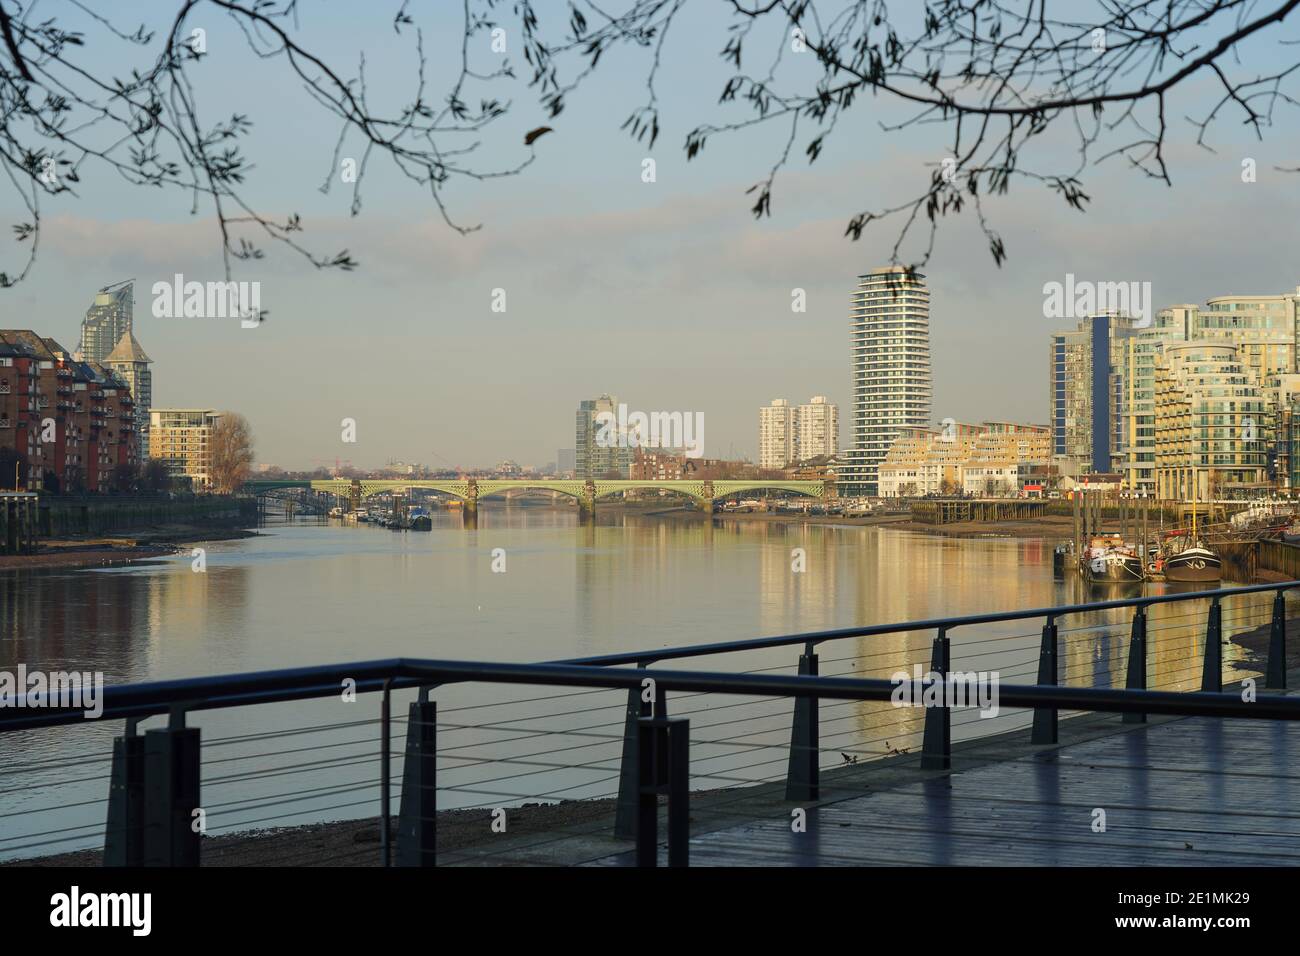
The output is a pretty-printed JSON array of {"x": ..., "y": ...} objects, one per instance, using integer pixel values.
[
  {"x": 946, "y": 623},
  {"x": 158, "y": 697},
  {"x": 235, "y": 690}
]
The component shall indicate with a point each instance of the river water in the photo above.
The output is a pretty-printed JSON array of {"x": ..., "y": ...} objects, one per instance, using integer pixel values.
[{"x": 306, "y": 593}]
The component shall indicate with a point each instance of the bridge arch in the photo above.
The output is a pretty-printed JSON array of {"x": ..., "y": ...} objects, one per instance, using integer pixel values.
[
  {"x": 812, "y": 489},
  {"x": 694, "y": 490}
]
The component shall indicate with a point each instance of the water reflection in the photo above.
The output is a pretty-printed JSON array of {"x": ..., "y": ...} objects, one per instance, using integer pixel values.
[{"x": 313, "y": 593}]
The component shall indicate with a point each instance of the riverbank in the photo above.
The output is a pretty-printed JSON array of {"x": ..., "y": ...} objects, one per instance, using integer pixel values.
[
  {"x": 774, "y": 517},
  {"x": 99, "y": 552},
  {"x": 1049, "y": 526},
  {"x": 1052, "y": 526}
]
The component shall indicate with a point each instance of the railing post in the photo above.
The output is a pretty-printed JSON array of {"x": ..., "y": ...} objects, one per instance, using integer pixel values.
[
  {"x": 1044, "y": 731},
  {"x": 663, "y": 767},
  {"x": 802, "y": 776},
  {"x": 936, "y": 746},
  {"x": 1275, "y": 675},
  {"x": 385, "y": 775},
  {"x": 625, "y": 814},
  {"x": 171, "y": 794},
  {"x": 1212, "y": 672},
  {"x": 124, "y": 830},
  {"x": 417, "y": 818},
  {"x": 1137, "y": 661}
]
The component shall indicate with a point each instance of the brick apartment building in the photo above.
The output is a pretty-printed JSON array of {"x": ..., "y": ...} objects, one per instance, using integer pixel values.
[{"x": 65, "y": 425}]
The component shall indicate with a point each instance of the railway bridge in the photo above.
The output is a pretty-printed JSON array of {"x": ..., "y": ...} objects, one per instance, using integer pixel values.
[{"x": 587, "y": 492}]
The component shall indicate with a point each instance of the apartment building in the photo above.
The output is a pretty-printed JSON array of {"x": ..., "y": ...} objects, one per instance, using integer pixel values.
[
  {"x": 890, "y": 341},
  {"x": 985, "y": 459},
  {"x": 65, "y": 425},
  {"x": 182, "y": 438},
  {"x": 788, "y": 434},
  {"x": 1208, "y": 406}
]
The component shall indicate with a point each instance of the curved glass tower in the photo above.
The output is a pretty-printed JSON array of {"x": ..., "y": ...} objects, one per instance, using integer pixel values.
[{"x": 890, "y": 316}]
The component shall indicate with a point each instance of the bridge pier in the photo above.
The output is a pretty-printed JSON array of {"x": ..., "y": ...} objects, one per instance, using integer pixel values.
[
  {"x": 354, "y": 499},
  {"x": 706, "y": 503},
  {"x": 587, "y": 503},
  {"x": 470, "y": 511}
]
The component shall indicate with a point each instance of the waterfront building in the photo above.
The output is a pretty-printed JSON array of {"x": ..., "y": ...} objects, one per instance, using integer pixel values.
[
  {"x": 986, "y": 459},
  {"x": 1263, "y": 331},
  {"x": 107, "y": 320},
  {"x": 1207, "y": 409},
  {"x": 890, "y": 330},
  {"x": 1085, "y": 391},
  {"x": 182, "y": 437},
  {"x": 129, "y": 361},
  {"x": 925, "y": 461},
  {"x": 61, "y": 420},
  {"x": 566, "y": 461},
  {"x": 591, "y": 458},
  {"x": 112, "y": 452}
]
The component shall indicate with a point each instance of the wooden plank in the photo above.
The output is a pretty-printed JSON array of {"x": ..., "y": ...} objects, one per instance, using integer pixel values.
[{"x": 1194, "y": 792}]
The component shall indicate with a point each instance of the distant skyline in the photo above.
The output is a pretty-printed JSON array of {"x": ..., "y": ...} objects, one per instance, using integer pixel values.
[{"x": 668, "y": 294}]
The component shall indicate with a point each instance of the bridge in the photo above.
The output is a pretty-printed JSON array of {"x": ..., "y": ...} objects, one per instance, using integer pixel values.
[
  {"x": 1137, "y": 742},
  {"x": 586, "y": 492}
]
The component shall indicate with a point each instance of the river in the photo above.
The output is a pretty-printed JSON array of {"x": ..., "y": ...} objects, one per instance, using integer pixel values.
[{"x": 306, "y": 592}]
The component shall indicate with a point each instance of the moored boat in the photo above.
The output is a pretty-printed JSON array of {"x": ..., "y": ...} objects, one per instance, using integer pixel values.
[
  {"x": 1196, "y": 563},
  {"x": 1109, "y": 560},
  {"x": 1114, "y": 566}
]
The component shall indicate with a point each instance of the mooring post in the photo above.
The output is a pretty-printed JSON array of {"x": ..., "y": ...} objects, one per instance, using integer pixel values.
[
  {"x": 639, "y": 706},
  {"x": 171, "y": 794},
  {"x": 936, "y": 746},
  {"x": 802, "y": 776},
  {"x": 1044, "y": 731},
  {"x": 1137, "y": 661},
  {"x": 124, "y": 829},
  {"x": 1212, "y": 672},
  {"x": 663, "y": 769},
  {"x": 417, "y": 817},
  {"x": 1275, "y": 678}
]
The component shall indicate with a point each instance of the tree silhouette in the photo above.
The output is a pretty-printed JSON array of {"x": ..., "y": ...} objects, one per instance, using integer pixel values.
[{"x": 994, "y": 75}]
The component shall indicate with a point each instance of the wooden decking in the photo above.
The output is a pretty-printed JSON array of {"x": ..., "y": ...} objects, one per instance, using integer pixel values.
[{"x": 1189, "y": 792}]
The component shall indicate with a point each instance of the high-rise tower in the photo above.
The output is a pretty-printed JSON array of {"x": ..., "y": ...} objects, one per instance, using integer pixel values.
[
  {"x": 890, "y": 316},
  {"x": 107, "y": 320},
  {"x": 129, "y": 360}
]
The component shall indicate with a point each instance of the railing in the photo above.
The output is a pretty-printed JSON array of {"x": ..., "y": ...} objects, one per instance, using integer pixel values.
[{"x": 459, "y": 749}]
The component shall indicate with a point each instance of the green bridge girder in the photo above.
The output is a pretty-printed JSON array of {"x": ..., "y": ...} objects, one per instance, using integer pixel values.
[{"x": 702, "y": 491}]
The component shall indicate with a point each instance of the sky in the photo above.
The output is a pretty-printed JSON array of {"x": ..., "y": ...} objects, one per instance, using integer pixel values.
[{"x": 669, "y": 294}]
